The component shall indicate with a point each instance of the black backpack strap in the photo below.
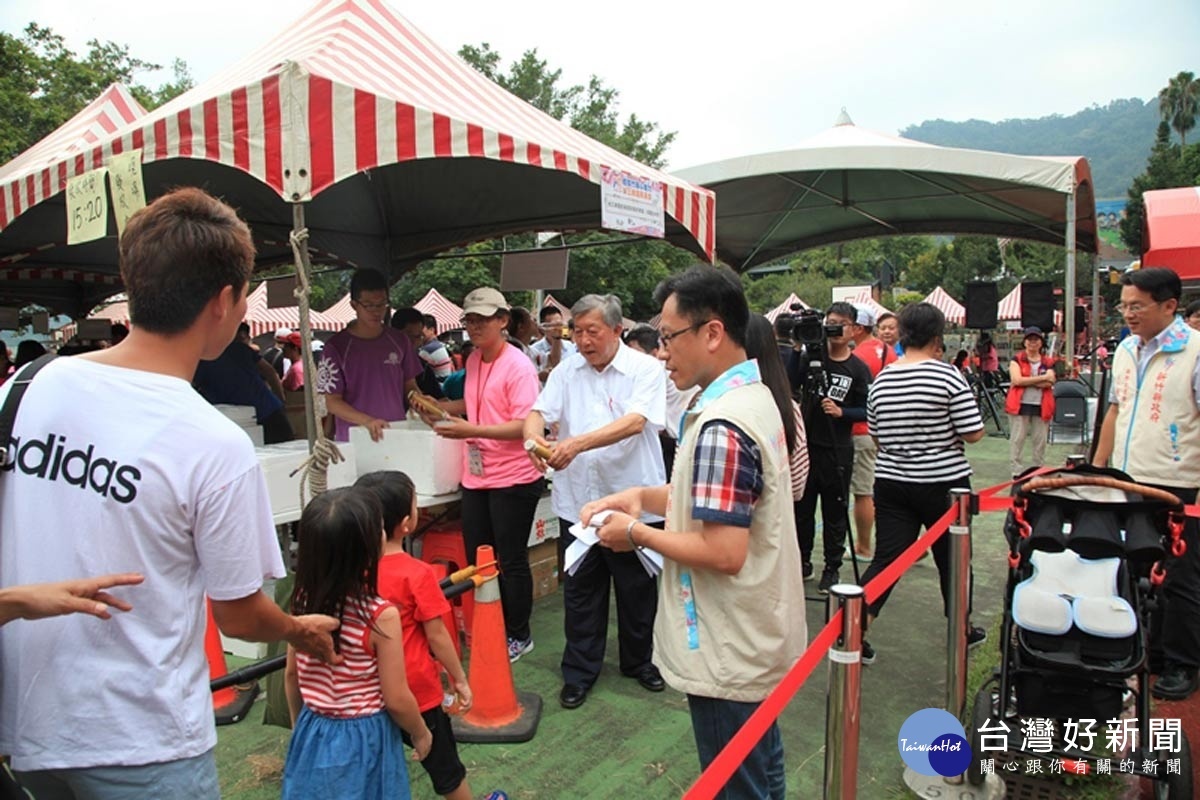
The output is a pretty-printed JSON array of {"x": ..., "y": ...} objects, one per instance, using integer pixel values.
[{"x": 8, "y": 413}]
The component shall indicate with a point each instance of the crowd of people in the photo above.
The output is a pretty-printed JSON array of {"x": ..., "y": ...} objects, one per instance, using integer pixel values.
[{"x": 709, "y": 440}]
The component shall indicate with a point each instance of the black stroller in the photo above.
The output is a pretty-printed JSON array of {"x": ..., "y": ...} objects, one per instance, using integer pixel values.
[{"x": 1085, "y": 565}]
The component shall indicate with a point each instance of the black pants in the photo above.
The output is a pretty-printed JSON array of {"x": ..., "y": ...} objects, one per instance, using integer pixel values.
[
  {"x": 901, "y": 510},
  {"x": 1175, "y": 627},
  {"x": 828, "y": 479},
  {"x": 276, "y": 428},
  {"x": 585, "y": 611},
  {"x": 502, "y": 518}
]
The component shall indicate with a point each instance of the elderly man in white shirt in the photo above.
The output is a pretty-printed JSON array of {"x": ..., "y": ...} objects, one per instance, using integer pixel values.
[{"x": 609, "y": 402}]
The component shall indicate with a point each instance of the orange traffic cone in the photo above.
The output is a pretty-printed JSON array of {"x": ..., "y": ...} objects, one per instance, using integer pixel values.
[
  {"x": 499, "y": 713},
  {"x": 232, "y": 703}
]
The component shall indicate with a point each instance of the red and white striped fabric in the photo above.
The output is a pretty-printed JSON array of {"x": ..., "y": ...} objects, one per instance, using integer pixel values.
[
  {"x": 448, "y": 315},
  {"x": 864, "y": 298},
  {"x": 341, "y": 311},
  {"x": 1010, "y": 307},
  {"x": 264, "y": 320},
  {"x": 550, "y": 301},
  {"x": 113, "y": 110},
  {"x": 350, "y": 86},
  {"x": 785, "y": 307},
  {"x": 956, "y": 312}
]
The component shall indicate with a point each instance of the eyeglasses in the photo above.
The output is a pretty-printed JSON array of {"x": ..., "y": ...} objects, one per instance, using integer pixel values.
[
  {"x": 667, "y": 337},
  {"x": 1135, "y": 309},
  {"x": 371, "y": 306},
  {"x": 474, "y": 321}
]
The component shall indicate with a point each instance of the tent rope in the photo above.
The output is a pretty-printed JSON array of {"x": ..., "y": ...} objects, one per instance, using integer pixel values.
[{"x": 324, "y": 452}]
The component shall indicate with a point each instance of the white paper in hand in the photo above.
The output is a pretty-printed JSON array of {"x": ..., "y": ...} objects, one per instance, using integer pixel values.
[{"x": 585, "y": 537}]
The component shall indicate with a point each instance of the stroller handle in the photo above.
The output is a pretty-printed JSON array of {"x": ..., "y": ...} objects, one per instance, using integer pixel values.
[{"x": 1064, "y": 481}]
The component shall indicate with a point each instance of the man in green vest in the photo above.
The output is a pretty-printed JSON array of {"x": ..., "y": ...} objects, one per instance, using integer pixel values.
[
  {"x": 730, "y": 617},
  {"x": 1152, "y": 432}
]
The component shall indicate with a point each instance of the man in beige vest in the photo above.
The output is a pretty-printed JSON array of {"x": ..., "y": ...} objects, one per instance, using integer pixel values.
[
  {"x": 1152, "y": 432},
  {"x": 730, "y": 617}
]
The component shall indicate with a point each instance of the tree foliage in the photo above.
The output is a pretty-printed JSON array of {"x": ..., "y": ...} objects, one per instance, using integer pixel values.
[
  {"x": 1169, "y": 166},
  {"x": 591, "y": 108},
  {"x": 1179, "y": 103},
  {"x": 43, "y": 83}
]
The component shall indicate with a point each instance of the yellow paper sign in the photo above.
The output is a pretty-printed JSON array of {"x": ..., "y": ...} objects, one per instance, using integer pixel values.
[
  {"x": 87, "y": 207},
  {"x": 128, "y": 191}
]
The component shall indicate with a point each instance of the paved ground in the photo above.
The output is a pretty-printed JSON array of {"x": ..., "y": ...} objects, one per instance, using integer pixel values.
[{"x": 627, "y": 743}]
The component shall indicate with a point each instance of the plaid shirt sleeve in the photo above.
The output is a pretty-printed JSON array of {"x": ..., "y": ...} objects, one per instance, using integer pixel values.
[{"x": 727, "y": 475}]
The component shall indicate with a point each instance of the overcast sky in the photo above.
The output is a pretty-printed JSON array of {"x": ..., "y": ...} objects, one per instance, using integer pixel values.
[{"x": 734, "y": 78}]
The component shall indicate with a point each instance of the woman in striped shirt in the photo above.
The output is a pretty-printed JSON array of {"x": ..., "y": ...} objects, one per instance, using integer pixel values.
[
  {"x": 920, "y": 412},
  {"x": 347, "y": 717}
]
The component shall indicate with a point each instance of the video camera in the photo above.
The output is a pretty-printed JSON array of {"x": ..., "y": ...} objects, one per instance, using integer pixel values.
[{"x": 809, "y": 328}]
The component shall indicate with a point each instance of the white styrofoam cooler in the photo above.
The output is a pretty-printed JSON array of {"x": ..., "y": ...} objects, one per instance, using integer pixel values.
[
  {"x": 246, "y": 418},
  {"x": 283, "y": 488},
  {"x": 433, "y": 463}
]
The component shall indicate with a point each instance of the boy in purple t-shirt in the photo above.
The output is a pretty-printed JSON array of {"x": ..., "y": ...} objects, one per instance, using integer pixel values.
[{"x": 368, "y": 369}]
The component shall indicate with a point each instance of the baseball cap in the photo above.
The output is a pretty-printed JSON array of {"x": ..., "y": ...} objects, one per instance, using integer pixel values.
[
  {"x": 293, "y": 339},
  {"x": 282, "y": 334},
  {"x": 1034, "y": 330},
  {"x": 484, "y": 301},
  {"x": 317, "y": 345},
  {"x": 866, "y": 316}
]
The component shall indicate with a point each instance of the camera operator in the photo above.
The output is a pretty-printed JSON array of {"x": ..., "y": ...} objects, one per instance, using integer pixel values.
[{"x": 833, "y": 386}]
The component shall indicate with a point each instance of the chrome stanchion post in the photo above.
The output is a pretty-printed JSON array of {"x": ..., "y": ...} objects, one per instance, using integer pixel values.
[
  {"x": 958, "y": 606},
  {"x": 843, "y": 700}
]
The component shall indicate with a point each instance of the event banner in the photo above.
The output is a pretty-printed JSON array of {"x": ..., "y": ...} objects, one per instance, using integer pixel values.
[{"x": 632, "y": 204}]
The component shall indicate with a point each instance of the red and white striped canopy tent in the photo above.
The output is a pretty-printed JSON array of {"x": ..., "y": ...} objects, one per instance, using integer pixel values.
[
  {"x": 956, "y": 312},
  {"x": 864, "y": 298},
  {"x": 448, "y": 315},
  {"x": 1010, "y": 307},
  {"x": 112, "y": 110},
  {"x": 347, "y": 111},
  {"x": 550, "y": 301},
  {"x": 341, "y": 311},
  {"x": 785, "y": 307},
  {"x": 264, "y": 320}
]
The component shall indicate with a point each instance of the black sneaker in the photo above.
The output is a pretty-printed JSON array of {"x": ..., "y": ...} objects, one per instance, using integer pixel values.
[
  {"x": 975, "y": 637},
  {"x": 828, "y": 578},
  {"x": 868, "y": 653},
  {"x": 806, "y": 570}
]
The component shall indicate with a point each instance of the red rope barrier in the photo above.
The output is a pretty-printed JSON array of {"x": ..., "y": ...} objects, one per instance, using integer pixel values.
[
  {"x": 718, "y": 773},
  {"x": 713, "y": 779}
]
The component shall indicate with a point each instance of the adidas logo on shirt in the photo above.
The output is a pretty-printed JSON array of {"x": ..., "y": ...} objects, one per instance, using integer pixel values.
[{"x": 50, "y": 459}]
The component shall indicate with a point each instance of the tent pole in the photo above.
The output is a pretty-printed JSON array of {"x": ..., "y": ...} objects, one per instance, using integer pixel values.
[
  {"x": 1094, "y": 320},
  {"x": 303, "y": 270},
  {"x": 1069, "y": 300}
]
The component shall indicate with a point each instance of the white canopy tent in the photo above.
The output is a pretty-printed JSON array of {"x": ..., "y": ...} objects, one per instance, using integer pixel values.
[{"x": 851, "y": 183}]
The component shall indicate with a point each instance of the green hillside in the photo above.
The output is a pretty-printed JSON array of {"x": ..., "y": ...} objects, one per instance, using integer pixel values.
[{"x": 1115, "y": 138}]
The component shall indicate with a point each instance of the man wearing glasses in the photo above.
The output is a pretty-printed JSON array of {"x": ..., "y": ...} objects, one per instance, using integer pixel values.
[
  {"x": 368, "y": 369},
  {"x": 1152, "y": 432},
  {"x": 730, "y": 619}
]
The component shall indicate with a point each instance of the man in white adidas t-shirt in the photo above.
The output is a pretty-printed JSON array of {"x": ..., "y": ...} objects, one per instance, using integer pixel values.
[{"x": 121, "y": 467}]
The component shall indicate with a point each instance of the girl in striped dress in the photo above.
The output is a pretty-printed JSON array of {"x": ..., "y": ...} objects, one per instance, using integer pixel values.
[{"x": 347, "y": 718}]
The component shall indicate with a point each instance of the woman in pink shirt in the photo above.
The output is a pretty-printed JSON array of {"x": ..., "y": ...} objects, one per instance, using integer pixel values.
[{"x": 501, "y": 487}]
